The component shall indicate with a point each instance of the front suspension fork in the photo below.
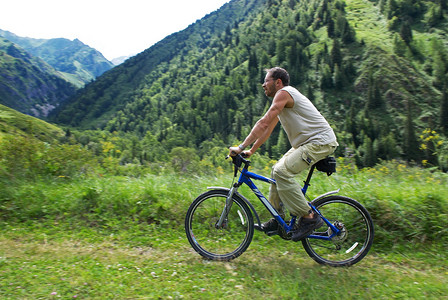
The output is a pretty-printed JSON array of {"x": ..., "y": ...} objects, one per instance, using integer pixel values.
[{"x": 227, "y": 207}]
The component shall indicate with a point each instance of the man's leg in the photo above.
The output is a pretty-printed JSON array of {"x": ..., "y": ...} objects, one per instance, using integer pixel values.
[
  {"x": 287, "y": 168},
  {"x": 289, "y": 190},
  {"x": 274, "y": 199}
]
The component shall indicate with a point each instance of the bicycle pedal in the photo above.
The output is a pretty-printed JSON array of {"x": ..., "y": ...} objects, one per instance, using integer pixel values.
[
  {"x": 258, "y": 227},
  {"x": 271, "y": 233}
]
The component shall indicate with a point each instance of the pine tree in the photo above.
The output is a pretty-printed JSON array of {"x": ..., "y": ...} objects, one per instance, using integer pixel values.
[
  {"x": 281, "y": 51},
  {"x": 374, "y": 99},
  {"x": 382, "y": 5},
  {"x": 434, "y": 16},
  {"x": 310, "y": 92},
  {"x": 369, "y": 158},
  {"x": 339, "y": 78},
  {"x": 444, "y": 111},
  {"x": 335, "y": 54},
  {"x": 411, "y": 147},
  {"x": 282, "y": 145},
  {"x": 292, "y": 4},
  {"x": 348, "y": 34},
  {"x": 386, "y": 147},
  {"x": 406, "y": 32},
  {"x": 330, "y": 28},
  {"x": 253, "y": 70},
  {"x": 253, "y": 64},
  {"x": 399, "y": 45},
  {"x": 350, "y": 125},
  {"x": 326, "y": 81},
  {"x": 392, "y": 9}
]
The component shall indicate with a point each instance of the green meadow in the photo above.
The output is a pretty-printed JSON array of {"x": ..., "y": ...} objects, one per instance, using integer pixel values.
[{"x": 101, "y": 236}]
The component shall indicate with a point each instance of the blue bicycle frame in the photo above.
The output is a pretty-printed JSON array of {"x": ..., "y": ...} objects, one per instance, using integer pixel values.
[{"x": 245, "y": 177}]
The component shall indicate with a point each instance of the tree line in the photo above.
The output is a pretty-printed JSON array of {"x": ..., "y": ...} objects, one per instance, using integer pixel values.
[{"x": 379, "y": 100}]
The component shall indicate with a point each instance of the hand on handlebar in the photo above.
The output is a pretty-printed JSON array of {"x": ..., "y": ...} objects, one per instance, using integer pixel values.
[
  {"x": 246, "y": 154},
  {"x": 234, "y": 151}
]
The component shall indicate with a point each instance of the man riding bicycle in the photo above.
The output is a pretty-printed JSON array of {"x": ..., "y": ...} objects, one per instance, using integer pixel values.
[{"x": 311, "y": 138}]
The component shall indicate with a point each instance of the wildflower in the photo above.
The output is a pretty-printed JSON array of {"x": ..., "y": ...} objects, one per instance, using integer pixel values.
[{"x": 54, "y": 293}]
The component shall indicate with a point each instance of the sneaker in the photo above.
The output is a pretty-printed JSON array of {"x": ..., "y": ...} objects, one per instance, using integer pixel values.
[
  {"x": 271, "y": 225},
  {"x": 305, "y": 227}
]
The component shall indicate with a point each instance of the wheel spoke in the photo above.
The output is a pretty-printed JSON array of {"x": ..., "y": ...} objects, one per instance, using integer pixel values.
[
  {"x": 353, "y": 241},
  {"x": 215, "y": 242}
]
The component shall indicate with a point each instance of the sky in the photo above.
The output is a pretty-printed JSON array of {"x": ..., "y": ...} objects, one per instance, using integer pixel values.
[{"x": 113, "y": 27}]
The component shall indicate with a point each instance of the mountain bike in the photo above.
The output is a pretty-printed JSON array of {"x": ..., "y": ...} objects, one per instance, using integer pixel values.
[{"x": 220, "y": 222}]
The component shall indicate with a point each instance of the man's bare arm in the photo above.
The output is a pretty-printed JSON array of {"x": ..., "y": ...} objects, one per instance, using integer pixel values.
[
  {"x": 260, "y": 141},
  {"x": 264, "y": 127}
]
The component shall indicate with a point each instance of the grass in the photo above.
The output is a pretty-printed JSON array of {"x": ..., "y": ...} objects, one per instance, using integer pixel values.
[
  {"x": 374, "y": 31},
  {"x": 119, "y": 237},
  {"x": 45, "y": 261},
  {"x": 13, "y": 122}
]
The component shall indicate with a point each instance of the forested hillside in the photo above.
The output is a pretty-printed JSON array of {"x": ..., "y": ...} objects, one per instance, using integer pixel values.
[
  {"x": 376, "y": 69},
  {"x": 28, "y": 84}
]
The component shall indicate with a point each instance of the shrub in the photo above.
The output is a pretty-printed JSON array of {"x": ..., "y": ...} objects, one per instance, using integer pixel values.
[{"x": 23, "y": 157}]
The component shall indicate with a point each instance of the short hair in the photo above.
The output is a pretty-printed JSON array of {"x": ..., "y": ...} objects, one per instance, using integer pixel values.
[{"x": 279, "y": 73}]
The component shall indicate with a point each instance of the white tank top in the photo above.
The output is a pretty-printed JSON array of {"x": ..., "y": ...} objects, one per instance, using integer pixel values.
[{"x": 303, "y": 123}]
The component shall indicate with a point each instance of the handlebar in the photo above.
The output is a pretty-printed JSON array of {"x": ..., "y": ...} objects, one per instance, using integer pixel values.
[{"x": 238, "y": 160}]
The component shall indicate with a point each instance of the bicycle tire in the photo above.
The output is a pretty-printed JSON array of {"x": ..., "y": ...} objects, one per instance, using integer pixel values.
[
  {"x": 355, "y": 239},
  {"x": 227, "y": 242}
]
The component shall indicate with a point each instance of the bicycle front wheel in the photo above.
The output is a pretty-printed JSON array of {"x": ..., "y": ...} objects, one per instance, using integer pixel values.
[
  {"x": 211, "y": 240},
  {"x": 354, "y": 239}
]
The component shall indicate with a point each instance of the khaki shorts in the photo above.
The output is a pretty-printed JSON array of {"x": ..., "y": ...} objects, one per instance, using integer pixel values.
[{"x": 288, "y": 191}]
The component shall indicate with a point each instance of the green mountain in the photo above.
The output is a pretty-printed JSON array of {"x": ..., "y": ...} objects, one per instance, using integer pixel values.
[
  {"x": 376, "y": 69},
  {"x": 77, "y": 62},
  {"x": 28, "y": 84}
]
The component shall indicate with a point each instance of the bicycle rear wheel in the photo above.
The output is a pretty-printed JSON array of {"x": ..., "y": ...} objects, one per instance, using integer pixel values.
[
  {"x": 354, "y": 240},
  {"x": 214, "y": 242}
]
